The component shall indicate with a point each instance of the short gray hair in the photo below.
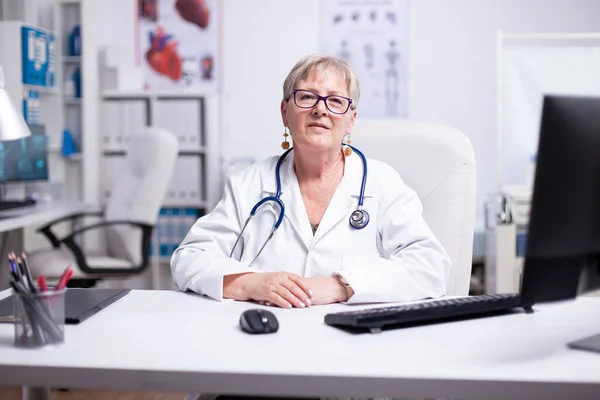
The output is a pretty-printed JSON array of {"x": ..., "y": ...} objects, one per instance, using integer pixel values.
[{"x": 307, "y": 64}]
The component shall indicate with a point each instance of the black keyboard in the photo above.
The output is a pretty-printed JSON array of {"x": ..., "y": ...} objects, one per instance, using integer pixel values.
[
  {"x": 375, "y": 319},
  {"x": 10, "y": 204}
]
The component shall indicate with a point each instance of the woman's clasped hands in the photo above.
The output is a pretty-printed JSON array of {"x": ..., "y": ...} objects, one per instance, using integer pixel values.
[{"x": 283, "y": 289}]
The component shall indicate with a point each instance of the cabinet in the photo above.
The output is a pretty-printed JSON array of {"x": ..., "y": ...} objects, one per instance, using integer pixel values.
[{"x": 189, "y": 116}]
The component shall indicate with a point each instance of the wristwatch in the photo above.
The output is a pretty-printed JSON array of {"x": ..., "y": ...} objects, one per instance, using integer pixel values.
[{"x": 346, "y": 285}]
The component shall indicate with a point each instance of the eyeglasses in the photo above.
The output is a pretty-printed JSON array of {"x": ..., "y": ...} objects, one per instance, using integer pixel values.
[{"x": 309, "y": 99}]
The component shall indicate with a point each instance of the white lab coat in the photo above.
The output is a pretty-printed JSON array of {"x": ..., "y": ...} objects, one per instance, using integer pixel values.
[{"x": 394, "y": 258}]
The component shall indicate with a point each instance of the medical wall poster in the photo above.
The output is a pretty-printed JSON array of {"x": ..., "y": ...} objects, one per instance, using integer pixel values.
[
  {"x": 372, "y": 36},
  {"x": 179, "y": 43}
]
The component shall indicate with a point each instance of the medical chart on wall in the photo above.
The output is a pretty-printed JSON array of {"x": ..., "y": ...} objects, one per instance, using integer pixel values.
[
  {"x": 179, "y": 43},
  {"x": 372, "y": 36}
]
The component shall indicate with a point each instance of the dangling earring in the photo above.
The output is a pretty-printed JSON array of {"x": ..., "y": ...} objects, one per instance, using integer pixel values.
[
  {"x": 346, "y": 142},
  {"x": 285, "y": 144}
]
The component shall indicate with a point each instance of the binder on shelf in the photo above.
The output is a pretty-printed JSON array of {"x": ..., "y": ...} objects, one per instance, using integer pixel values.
[
  {"x": 172, "y": 227},
  {"x": 183, "y": 117},
  {"x": 51, "y": 73},
  {"x": 111, "y": 167},
  {"x": 31, "y": 106},
  {"x": 38, "y": 56},
  {"x": 186, "y": 184},
  {"x": 109, "y": 125},
  {"x": 121, "y": 119}
]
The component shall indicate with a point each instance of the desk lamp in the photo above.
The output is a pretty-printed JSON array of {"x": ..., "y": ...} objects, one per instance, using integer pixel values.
[{"x": 12, "y": 124}]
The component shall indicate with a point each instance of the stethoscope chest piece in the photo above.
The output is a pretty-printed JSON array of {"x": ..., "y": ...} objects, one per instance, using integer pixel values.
[{"x": 359, "y": 218}]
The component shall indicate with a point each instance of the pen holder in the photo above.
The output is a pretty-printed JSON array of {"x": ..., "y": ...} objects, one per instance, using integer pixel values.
[{"x": 39, "y": 318}]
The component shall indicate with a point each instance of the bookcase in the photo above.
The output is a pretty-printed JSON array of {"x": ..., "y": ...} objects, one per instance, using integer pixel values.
[{"x": 189, "y": 116}]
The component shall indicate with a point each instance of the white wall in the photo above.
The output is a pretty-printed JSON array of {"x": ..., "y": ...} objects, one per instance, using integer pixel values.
[
  {"x": 452, "y": 62},
  {"x": 105, "y": 24}
]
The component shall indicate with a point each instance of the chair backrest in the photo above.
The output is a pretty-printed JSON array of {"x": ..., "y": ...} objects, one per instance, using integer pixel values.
[
  {"x": 139, "y": 190},
  {"x": 438, "y": 162}
]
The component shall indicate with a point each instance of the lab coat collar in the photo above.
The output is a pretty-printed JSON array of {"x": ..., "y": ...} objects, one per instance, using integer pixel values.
[
  {"x": 344, "y": 200},
  {"x": 353, "y": 174}
]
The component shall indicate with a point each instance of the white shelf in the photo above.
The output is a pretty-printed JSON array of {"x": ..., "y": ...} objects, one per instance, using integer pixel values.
[
  {"x": 199, "y": 151},
  {"x": 129, "y": 94},
  {"x": 58, "y": 150},
  {"x": 74, "y": 157},
  {"x": 72, "y": 101},
  {"x": 71, "y": 60},
  {"x": 44, "y": 89},
  {"x": 183, "y": 204}
]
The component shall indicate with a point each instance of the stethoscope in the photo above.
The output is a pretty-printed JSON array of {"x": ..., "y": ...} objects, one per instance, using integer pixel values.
[{"x": 358, "y": 219}]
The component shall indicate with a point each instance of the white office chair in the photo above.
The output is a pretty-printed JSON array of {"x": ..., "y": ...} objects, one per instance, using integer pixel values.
[
  {"x": 438, "y": 162},
  {"x": 127, "y": 220}
]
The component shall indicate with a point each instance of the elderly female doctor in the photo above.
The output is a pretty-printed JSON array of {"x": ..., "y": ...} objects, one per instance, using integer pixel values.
[{"x": 326, "y": 247}]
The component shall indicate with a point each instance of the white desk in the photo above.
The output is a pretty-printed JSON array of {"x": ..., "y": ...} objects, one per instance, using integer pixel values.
[
  {"x": 163, "y": 340},
  {"x": 13, "y": 221},
  {"x": 38, "y": 214}
]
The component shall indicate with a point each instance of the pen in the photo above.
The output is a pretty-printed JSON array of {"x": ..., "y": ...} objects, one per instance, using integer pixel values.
[
  {"x": 28, "y": 273},
  {"x": 17, "y": 272},
  {"x": 42, "y": 283},
  {"x": 27, "y": 279},
  {"x": 13, "y": 263},
  {"x": 64, "y": 278}
]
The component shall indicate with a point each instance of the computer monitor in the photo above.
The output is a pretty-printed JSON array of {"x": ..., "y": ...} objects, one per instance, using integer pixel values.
[
  {"x": 562, "y": 256},
  {"x": 25, "y": 159}
]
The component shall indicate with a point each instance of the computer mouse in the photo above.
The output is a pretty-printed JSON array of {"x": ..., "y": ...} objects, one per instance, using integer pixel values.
[{"x": 258, "y": 321}]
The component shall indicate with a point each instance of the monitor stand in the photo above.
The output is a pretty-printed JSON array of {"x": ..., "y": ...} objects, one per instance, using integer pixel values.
[{"x": 591, "y": 343}]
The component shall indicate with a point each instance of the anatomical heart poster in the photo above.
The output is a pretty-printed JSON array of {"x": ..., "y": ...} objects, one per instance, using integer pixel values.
[
  {"x": 372, "y": 35},
  {"x": 179, "y": 43}
]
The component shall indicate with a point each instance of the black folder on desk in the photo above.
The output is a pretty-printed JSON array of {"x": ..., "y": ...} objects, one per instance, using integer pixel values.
[{"x": 80, "y": 304}]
